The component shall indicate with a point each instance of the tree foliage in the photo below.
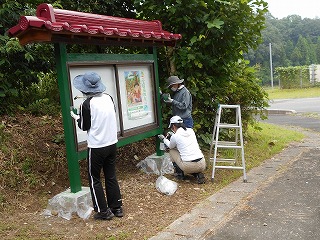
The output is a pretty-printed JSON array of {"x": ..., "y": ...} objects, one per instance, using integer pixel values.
[
  {"x": 214, "y": 38},
  {"x": 19, "y": 65},
  {"x": 295, "y": 42}
]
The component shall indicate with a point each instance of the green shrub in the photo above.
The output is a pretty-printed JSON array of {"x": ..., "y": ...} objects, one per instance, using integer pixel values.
[
  {"x": 293, "y": 77},
  {"x": 43, "y": 107}
]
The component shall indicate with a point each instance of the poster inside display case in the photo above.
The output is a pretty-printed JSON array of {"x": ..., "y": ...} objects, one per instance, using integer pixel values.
[
  {"x": 137, "y": 96},
  {"x": 132, "y": 87}
]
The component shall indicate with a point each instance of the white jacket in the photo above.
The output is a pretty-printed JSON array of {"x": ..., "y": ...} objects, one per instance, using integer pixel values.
[{"x": 186, "y": 143}]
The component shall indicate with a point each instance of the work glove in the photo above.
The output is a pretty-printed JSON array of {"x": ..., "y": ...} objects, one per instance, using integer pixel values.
[
  {"x": 169, "y": 134},
  {"x": 74, "y": 116},
  {"x": 167, "y": 98},
  {"x": 170, "y": 100},
  {"x": 161, "y": 137}
]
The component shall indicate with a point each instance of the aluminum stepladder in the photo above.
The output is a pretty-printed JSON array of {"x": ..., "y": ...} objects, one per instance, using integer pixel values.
[{"x": 235, "y": 144}]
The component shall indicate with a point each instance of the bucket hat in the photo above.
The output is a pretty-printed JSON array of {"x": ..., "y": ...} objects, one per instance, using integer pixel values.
[
  {"x": 90, "y": 82},
  {"x": 175, "y": 119},
  {"x": 174, "y": 80}
]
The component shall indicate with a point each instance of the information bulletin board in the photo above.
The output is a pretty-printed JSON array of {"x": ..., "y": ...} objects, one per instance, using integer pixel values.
[{"x": 132, "y": 87}]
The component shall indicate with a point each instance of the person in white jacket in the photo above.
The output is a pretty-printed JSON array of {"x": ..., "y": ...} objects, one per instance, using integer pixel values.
[{"x": 184, "y": 150}]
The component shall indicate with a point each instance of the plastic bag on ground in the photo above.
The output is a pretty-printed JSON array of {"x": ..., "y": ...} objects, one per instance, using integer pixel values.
[
  {"x": 159, "y": 165},
  {"x": 166, "y": 186}
]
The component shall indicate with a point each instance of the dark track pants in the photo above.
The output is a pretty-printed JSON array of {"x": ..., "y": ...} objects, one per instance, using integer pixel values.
[{"x": 105, "y": 159}]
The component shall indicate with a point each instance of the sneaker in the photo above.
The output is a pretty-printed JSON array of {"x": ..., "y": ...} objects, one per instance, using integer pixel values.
[
  {"x": 179, "y": 176},
  {"x": 108, "y": 215},
  {"x": 200, "y": 178},
  {"x": 178, "y": 173},
  {"x": 117, "y": 212}
]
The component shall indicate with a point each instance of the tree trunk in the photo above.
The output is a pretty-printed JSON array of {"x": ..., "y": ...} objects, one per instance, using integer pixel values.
[{"x": 172, "y": 65}]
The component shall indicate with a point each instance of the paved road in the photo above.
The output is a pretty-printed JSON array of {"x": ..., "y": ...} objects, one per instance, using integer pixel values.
[
  {"x": 287, "y": 208},
  {"x": 297, "y": 120},
  {"x": 303, "y": 112},
  {"x": 300, "y": 105}
]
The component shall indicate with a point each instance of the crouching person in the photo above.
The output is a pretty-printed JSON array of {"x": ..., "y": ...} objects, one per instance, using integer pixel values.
[{"x": 184, "y": 150}]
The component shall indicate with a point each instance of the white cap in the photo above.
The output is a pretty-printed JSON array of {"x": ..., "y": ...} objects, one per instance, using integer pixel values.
[{"x": 175, "y": 119}]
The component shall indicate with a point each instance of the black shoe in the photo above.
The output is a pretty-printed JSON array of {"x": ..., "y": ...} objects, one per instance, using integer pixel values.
[
  {"x": 178, "y": 173},
  {"x": 200, "y": 178},
  {"x": 179, "y": 176},
  {"x": 108, "y": 215},
  {"x": 117, "y": 212}
]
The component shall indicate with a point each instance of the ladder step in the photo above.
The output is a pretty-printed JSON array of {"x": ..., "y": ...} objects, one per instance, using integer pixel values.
[
  {"x": 229, "y": 146},
  {"x": 223, "y": 159},
  {"x": 230, "y": 167},
  {"x": 229, "y": 106},
  {"x": 228, "y": 125},
  {"x": 227, "y": 143}
]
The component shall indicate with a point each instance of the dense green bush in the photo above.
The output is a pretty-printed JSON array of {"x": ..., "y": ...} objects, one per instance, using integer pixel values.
[
  {"x": 293, "y": 77},
  {"x": 43, "y": 107},
  {"x": 43, "y": 97}
]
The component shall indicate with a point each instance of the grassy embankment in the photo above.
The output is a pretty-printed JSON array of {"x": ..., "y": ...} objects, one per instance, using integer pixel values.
[{"x": 277, "y": 93}]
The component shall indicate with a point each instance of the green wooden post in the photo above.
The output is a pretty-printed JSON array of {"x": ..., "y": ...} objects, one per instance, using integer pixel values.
[
  {"x": 159, "y": 152},
  {"x": 72, "y": 158}
]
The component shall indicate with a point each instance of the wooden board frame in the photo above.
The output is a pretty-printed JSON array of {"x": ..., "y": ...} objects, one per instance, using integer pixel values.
[{"x": 123, "y": 64}]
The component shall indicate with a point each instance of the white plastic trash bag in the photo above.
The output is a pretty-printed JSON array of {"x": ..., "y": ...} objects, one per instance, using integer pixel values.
[
  {"x": 156, "y": 165},
  {"x": 166, "y": 186}
]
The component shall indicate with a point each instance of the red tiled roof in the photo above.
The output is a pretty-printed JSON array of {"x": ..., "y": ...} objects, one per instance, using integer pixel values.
[{"x": 58, "y": 25}]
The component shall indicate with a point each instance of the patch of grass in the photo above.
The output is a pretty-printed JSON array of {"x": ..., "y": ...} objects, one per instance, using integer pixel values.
[
  {"x": 27, "y": 166},
  {"x": 265, "y": 143},
  {"x": 2, "y": 200},
  {"x": 277, "y": 93},
  {"x": 3, "y": 134},
  {"x": 120, "y": 236},
  {"x": 24, "y": 231},
  {"x": 6, "y": 227},
  {"x": 311, "y": 115}
]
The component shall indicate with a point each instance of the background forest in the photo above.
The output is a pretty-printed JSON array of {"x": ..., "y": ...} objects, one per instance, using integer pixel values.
[{"x": 295, "y": 42}]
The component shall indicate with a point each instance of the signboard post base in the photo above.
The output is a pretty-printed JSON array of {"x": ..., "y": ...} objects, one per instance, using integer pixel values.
[{"x": 66, "y": 204}]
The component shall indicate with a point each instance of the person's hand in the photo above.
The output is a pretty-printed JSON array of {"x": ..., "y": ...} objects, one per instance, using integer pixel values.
[
  {"x": 167, "y": 98},
  {"x": 161, "y": 137},
  {"x": 169, "y": 134},
  {"x": 74, "y": 116}
]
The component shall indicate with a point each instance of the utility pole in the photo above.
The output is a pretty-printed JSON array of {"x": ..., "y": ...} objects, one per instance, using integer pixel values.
[{"x": 271, "y": 70}]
